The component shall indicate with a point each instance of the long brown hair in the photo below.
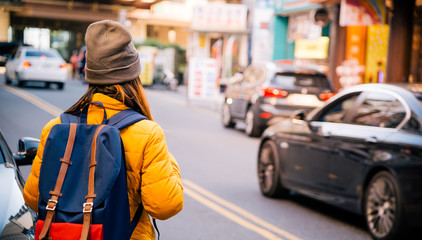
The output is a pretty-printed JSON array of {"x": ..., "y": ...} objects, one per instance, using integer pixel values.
[{"x": 131, "y": 93}]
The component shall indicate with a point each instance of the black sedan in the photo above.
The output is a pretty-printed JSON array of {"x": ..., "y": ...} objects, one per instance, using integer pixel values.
[
  {"x": 17, "y": 221},
  {"x": 361, "y": 151},
  {"x": 266, "y": 92}
]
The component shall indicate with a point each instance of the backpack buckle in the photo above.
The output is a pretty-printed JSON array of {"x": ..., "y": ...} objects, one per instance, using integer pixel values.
[
  {"x": 54, "y": 205},
  {"x": 90, "y": 207}
]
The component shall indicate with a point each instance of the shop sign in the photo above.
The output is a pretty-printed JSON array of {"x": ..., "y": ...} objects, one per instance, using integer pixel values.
[
  {"x": 301, "y": 27},
  {"x": 362, "y": 12},
  {"x": 147, "y": 58},
  {"x": 262, "y": 35},
  {"x": 291, "y": 6},
  {"x": 264, "y": 4},
  {"x": 219, "y": 17},
  {"x": 376, "y": 53},
  {"x": 202, "y": 81},
  {"x": 311, "y": 49}
]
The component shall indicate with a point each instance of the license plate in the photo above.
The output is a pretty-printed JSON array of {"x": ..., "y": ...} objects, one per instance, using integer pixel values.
[{"x": 303, "y": 100}]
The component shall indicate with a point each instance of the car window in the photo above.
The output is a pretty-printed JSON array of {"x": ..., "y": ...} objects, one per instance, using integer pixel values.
[
  {"x": 379, "y": 110},
  {"x": 40, "y": 54},
  {"x": 290, "y": 81},
  {"x": 18, "y": 54},
  {"x": 339, "y": 110},
  {"x": 413, "y": 125}
]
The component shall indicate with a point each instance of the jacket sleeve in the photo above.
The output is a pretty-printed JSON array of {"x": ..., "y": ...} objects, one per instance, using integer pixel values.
[
  {"x": 161, "y": 184},
  {"x": 31, "y": 190}
]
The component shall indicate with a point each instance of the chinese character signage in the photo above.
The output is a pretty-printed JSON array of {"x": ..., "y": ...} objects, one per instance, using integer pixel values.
[
  {"x": 376, "y": 53},
  {"x": 202, "y": 78}
]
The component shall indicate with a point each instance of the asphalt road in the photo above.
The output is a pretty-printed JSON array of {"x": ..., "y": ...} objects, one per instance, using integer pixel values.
[{"x": 218, "y": 167}]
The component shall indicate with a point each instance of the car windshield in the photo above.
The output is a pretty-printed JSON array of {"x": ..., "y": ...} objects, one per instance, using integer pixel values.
[
  {"x": 40, "y": 54},
  {"x": 291, "y": 81}
]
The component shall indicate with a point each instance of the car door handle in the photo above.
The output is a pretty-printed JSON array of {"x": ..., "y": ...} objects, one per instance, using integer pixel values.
[{"x": 371, "y": 140}]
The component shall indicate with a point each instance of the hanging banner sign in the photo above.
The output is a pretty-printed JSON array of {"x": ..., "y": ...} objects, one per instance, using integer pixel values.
[
  {"x": 202, "y": 83},
  {"x": 361, "y": 12},
  {"x": 220, "y": 17}
]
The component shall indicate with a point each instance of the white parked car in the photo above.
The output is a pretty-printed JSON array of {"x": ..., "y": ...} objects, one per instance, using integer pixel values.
[{"x": 29, "y": 64}]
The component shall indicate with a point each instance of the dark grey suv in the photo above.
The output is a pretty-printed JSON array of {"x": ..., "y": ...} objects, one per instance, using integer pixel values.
[
  {"x": 266, "y": 92},
  {"x": 17, "y": 221}
]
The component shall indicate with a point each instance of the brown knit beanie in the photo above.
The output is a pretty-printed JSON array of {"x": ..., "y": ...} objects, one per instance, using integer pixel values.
[{"x": 111, "y": 57}]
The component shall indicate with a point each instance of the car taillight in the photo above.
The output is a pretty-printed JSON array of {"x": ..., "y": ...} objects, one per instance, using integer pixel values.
[
  {"x": 326, "y": 96},
  {"x": 265, "y": 115},
  {"x": 273, "y": 92},
  {"x": 26, "y": 64},
  {"x": 64, "y": 65}
]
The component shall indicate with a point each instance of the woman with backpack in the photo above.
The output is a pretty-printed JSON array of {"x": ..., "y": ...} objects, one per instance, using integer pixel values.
[{"x": 112, "y": 72}]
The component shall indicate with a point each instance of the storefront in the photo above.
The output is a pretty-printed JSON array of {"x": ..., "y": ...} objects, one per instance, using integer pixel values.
[
  {"x": 217, "y": 47},
  {"x": 381, "y": 41},
  {"x": 297, "y": 36},
  {"x": 62, "y": 24}
]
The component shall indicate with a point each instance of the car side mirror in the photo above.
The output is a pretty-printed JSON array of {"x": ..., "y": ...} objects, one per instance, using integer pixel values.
[
  {"x": 299, "y": 115},
  {"x": 27, "y": 150}
]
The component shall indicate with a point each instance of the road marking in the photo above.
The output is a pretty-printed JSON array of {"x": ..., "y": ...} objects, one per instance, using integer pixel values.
[
  {"x": 53, "y": 110},
  {"x": 229, "y": 215},
  {"x": 238, "y": 210}
]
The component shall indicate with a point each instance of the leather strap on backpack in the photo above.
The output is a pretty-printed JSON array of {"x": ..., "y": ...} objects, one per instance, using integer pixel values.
[
  {"x": 89, "y": 204},
  {"x": 55, "y": 194}
]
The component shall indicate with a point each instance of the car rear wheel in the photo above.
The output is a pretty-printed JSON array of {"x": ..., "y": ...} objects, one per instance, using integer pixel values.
[
  {"x": 60, "y": 85},
  {"x": 269, "y": 171},
  {"x": 383, "y": 207},
  {"x": 226, "y": 117},
  {"x": 8, "y": 80},
  {"x": 251, "y": 127},
  {"x": 20, "y": 82}
]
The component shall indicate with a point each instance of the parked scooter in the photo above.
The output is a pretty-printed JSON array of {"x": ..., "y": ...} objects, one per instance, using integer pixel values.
[{"x": 169, "y": 79}]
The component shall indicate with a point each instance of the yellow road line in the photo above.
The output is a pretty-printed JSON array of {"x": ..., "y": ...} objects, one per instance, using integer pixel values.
[
  {"x": 239, "y": 210},
  {"x": 231, "y": 216},
  {"x": 53, "y": 110}
]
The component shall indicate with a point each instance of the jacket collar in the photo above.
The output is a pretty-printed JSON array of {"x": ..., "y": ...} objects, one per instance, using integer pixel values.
[{"x": 108, "y": 102}]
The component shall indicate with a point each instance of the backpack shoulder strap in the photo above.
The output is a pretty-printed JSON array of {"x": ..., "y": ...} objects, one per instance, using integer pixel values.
[
  {"x": 121, "y": 120},
  {"x": 125, "y": 118},
  {"x": 69, "y": 118}
]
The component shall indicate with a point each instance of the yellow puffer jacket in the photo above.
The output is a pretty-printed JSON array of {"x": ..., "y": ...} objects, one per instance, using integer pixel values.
[{"x": 152, "y": 172}]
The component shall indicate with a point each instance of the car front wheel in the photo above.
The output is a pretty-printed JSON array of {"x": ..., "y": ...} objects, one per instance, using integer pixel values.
[
  {"x": 252, "y": 129},
  {"x": 269, "y": 171},
  {"x": 383, "y": 207},
  {"x": 226, "y": 116}
]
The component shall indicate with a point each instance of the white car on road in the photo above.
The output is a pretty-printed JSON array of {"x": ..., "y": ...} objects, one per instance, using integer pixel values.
[{"x": 29, "y": 64}]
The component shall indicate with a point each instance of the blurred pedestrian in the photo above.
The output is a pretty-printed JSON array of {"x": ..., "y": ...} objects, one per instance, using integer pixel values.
[
  {"x": 82, "y": 62},
  {"x": 74, "y": 60},
  {"x": 112, "y": 72}
]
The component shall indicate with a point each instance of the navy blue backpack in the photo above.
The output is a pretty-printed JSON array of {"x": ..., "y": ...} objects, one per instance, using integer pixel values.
[{"x": 82, "y": 184}]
